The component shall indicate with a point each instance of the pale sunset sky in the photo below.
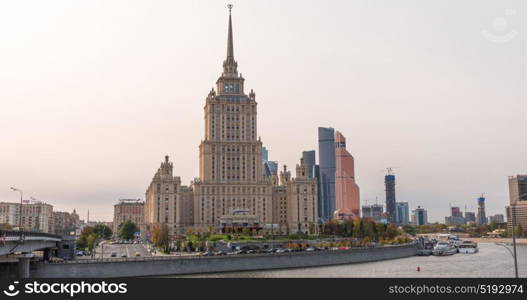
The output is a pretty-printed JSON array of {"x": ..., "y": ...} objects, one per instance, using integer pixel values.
[{"x": 94, "y": 93}]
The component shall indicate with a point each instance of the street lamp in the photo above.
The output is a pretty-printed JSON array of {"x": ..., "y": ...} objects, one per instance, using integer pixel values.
[
  {"x": 20, "y": 213},
  {"x": 513, "y": 215}
]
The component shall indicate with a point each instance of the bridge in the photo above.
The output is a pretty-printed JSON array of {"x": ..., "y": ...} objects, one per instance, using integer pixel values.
[{"x": 16, "y": 248}]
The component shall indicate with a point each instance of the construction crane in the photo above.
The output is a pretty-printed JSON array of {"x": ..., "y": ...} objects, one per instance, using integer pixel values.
[{"x": 389, "y": 170}]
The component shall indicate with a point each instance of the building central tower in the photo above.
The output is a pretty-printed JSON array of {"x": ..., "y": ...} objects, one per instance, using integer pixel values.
[{"x": 230, "y": 169}]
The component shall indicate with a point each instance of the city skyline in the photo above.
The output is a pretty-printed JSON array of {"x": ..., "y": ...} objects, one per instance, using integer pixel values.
[{"x": 92, "y": 131}]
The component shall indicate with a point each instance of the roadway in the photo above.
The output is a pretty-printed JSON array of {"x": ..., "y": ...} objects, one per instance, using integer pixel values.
[{"x": 122, "y": 249}]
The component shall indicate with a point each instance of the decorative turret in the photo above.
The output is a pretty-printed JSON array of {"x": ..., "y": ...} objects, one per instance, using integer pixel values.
[
  {"x": 285, "y": 176},
  {"x": 301, "y": 170},
  {"x": 165, "y": 169}
]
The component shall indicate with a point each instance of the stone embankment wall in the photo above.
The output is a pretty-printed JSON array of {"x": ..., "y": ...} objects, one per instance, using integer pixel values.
[{"x": 197, "y": 265}]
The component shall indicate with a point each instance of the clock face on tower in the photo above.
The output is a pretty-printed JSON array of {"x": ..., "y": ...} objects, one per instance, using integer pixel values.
[{"x": 231, "y": 87}]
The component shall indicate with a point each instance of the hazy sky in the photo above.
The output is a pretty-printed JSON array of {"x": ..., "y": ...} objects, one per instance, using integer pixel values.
[{"x": 94, "y": 93}]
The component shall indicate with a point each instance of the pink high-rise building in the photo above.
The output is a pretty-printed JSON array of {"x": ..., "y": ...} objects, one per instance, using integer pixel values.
[{"x": 347, "y": 191}]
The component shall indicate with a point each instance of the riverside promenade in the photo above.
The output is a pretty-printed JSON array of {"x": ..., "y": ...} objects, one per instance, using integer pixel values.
[{"x": 165, "y": 266}]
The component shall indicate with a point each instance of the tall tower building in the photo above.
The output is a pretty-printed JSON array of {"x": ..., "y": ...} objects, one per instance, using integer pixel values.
[
  {"x": 327, "y": 169},
  {"x": 482, "y": 217},
  {"x": 389, "y": 182},
  {"x": 231, "y": 176},
  {"x": 167, "y": 201},
  {"x": 310, "y": 161},
  {"x": 420, "y": 216},
  {"x": 347, "y": 190},
  {"x": 403, "y": 213}
]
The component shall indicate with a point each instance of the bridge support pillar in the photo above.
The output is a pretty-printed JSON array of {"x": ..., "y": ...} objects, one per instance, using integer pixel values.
[
  {"x": 23, "y": 267},
  {"x": 47, "y": 254}
]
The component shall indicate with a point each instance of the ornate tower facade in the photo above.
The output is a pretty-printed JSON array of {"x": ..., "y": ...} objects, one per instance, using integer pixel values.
[
  {"x": 230, "y": 155},
  {"x": 167, "y": 201}
]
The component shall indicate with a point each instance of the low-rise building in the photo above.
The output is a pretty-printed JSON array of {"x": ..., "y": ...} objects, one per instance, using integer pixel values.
[
  {"x": 518, "y": 203},
  {"x": 64, "y": 223},
  {"x": 128, "y": 209},
  {"x": 36, "y": 216},
  {"x": 375, "y": 212},
  {"x": 499, "y": 218},
  {"x": 470, "y": 217}
]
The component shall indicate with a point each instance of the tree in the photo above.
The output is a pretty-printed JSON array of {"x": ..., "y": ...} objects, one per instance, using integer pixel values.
[
  {"x": 5, "y": 226},
  {"x": 391, "y": 231},
  {"x": 127, "y": 230},
  {"x": 90, "y": 242},
  {"x": 82, "y": 242},
  {"x": 409, "y": 229},
  {"x": 102, "y": 231},
  {"x": 348, "y": 228},
  {"x": 518, "y": 231},
  {"x": 160, "y": 237}
]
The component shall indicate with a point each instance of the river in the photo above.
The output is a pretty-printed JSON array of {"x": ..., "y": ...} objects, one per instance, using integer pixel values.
[{"x": 491, "y": 261}]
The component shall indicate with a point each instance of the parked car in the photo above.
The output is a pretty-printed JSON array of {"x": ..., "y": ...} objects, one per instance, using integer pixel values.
[
  {"x": 80, "y": 253},
  {"x": 114, "y": 254},
  {"x": 137, "y": 254},
  {"x": 56, "y": 259},
  {"x": 310, "y": 249}
]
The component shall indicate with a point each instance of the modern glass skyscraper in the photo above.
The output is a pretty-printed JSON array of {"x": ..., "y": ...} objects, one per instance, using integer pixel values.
[
  {"x": 389, "y": 181},
  {"x": 326, "y": 158},
  {"x": 420, "y": 216},
  {"x": 310, "y": 161},
  {"x": 347, "y": 190},
  {"x": 402, "y": 213},
  {"x": 482, "y": 217},
  {"x": 265, "y": 154}
]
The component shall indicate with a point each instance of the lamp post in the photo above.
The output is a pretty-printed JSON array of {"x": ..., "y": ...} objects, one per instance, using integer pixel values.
[
  {"x": 513, "y": 215},
  {"x": 20, "y": 212}
]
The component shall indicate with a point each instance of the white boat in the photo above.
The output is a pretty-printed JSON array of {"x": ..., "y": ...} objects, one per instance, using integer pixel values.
[
  {"x": 444, "y": 248},
  {"x": 468, "y": 247}
]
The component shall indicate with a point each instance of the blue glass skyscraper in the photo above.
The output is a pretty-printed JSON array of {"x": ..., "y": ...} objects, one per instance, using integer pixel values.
[
  {"x": 327, "y": 169},
  {"x": 389, "y": 181},
  {"x": 310, "y": 161}
]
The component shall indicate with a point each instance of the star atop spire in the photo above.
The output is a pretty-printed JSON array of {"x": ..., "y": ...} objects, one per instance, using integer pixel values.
[{"x": 230, "y": 66}]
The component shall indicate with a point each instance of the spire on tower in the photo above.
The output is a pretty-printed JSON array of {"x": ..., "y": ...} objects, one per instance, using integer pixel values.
[
  {"x": 230, "y": 47},
  {"x": 230, "y": 67}
]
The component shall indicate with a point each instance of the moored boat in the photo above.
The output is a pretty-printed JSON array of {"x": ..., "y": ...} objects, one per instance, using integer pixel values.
[
  {"x": 444, "y": 248},
  {"x": 468, "y": 247}
]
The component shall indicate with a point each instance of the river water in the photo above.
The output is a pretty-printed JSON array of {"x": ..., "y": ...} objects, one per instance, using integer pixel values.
[{"x": 491, "y": 261}]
